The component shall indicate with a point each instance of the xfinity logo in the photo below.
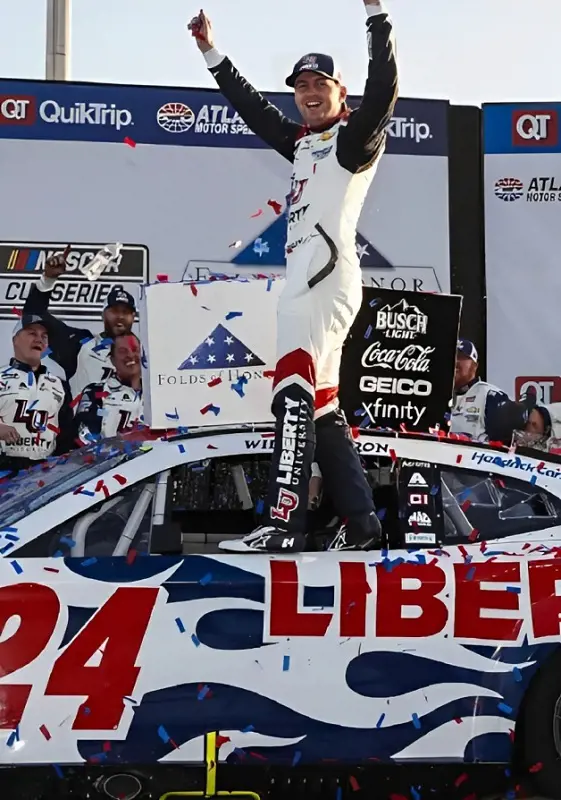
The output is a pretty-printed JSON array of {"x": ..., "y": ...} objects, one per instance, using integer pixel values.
[
  {"x": 535, "y": 128},
  {"x": 403, "y": 128},
  {"x": 402, "y": 321},
  {"x": 404, "y": 386}
]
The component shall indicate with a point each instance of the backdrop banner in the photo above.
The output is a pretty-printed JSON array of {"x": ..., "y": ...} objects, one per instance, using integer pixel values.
[
  {"x": 177, "y": 172},
  {"x": 209, "y": 352},
  {"x": 523, "y": 246},
  {"x": 399, "y": 359}
]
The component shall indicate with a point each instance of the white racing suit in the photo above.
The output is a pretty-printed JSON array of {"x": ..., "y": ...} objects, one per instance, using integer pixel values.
[
  {"x": 333, "y": 170},
  {"x": 106, "y": 409},
  {"x": 476, "y": 407},
  {"x": 31, "y": 402}
]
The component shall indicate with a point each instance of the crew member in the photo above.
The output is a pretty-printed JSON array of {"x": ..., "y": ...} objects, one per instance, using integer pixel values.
[
  {"x": 335, "y": 154},
  {"x": 114, "y": 405},
  {"x": 33, "y": 405},
  {"x": 477, "y": 404},
  {"x": 85, "y": 357}
]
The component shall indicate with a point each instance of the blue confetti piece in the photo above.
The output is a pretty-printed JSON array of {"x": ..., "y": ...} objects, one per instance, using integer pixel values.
[
  {"x": 180, "y": 625},
  {"x": 435, "y": 490},
  {"x": 297, "y": 757},
  {"x": 259, "y": 507},
  {"x": 67, "y": 540},
  {"x": 381, "y": 720},
  {"x": 203, "y": 693},
  {"x": 13, "y": 737},
  {"x": 513, "y": 589},
  {"x": 58, "y": 554},
  {"x": 103, "y": 345},
  {"x": 533, "y": 480},
  {"x": 470, "y": 574},
  {"x": 269, "y": 284},
  {"x": 181, "y": 448},
  {"x": 374, "y": 302},
  {"x": 368, "y": 332},
  {"x": 360, "y": 412},
  {"x": 88, "y": 494},
  {"x": 421, "y": 559},
  {"x": 285, "y": 663},
  {"x": 163, "y": 734},
  {"x": 6, "y": 548},
  {"x": 175, "y": 415},
  {"x": 517, "y": 675},
  {"x": 248, "y": 729},
  {"x": 339, "y": 795},
  {"x": 11, "y": 537},
  {"x": 85, "y": 340},
  {"x": 416, "y": 721},
  {"x": 89, "y": 562},
  {"x": 234, "y": 314},
  {"x": 414, "y": 793},
  {"x": 17, "y": 567},
  {"x": 8, "y": 530},
  {"x": 58, "y": 770},
  {"x": 46, "y": 353},
  {"x": 206, "y": 579},
  {"x": 195, "y": 640},
  {"x": 34, "y": 403},
  {"x": 381, "y": 513},
  {"x": 503, "y": 707}
]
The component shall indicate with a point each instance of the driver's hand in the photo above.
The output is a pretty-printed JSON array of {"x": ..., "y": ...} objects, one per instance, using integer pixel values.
[
  {"x": 8, "y": 434},
  {"x": 56, "y": 265},
  {"x": 201, "y": 30}
]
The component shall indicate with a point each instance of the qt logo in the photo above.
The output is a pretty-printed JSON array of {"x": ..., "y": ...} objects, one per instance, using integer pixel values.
[
  {"x": 547, "y": 390},
  {"x": 535, "y": 128}
]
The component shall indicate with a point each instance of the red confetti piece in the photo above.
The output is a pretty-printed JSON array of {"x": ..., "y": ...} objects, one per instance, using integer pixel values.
[
  {"x": 458, "y": 458},
  {"x": 161, "y": 278},
  {"x": 257, "y": 213},
  {"x": 355, "y": 432},
  {"x": 269, "y": 373},
  {"x": 76, "y": 400},
  {"x": 536, "y": 767},
  {"x": 211, "y": 447},
  {"x": 130, "y": 142},
  {"x": 173, "y": 744},
  {"x": 220, "y": 740},
  {"x": 40, "y": 484},
  {"x": 120, "y": 479},
  {"x": 473, "y": 535},
  {"x": 16, "y": 311},
  {"x": 464, "y": 552},
  {"x": 53, "y": 428},
  {"x": 214, "y": 382},
  {"x": 465, "y": 505},
  {"x": 355, "y": 785},
  {"x": 511, "y": 735},
  {"x": 131, "y": 555},
  {"x": 393, "y": 456},
  {"x": 458, "y": 720},
  {"x": 277, "y": 208},
  {"x": 45, "y": 731},
  {"x": 78, "y": 490},
  {"x": 50, "y": 569},
  {"x": 106, "y": 747},
  {"x": 194, "y": 289},
  {"x": 459, "y": 780},
  {"x": 99, "y": 485}
]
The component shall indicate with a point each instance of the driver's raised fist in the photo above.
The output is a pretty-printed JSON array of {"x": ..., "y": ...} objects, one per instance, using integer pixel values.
[
  {"x": 201, "y": 30},
  {"x": 56, "y": 265}
]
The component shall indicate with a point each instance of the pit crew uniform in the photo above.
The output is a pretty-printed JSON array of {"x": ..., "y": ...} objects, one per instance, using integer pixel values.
[
  {"x": 106, "y": 409},
  {"x": 85, "y": 358},
  {"x": 32, "y": 402},
  {"x": 477, "y": 410},
  {"x": 333, "y": 170}
]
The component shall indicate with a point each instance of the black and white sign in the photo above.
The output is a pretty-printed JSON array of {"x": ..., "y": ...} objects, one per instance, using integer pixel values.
[
  {"x": 398, "y": 362},
  {"x": 420, "y": 503}
]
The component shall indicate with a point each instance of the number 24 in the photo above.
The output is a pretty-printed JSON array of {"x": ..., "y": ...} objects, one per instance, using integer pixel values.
[{"x": 121, "y": 624}]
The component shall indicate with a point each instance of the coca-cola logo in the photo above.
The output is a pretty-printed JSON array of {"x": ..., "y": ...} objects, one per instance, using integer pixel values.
[{"x": 413, "y": 358}]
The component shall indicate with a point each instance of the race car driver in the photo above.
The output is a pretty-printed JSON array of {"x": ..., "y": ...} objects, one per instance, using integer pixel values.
[
  {"x": 114, "y": 405},
  {"x": 33, "y": 407},
  {"x": 334, "y": 154},
  {"x": 477, "y": 404},
  {"x": 85, "y": 358}
]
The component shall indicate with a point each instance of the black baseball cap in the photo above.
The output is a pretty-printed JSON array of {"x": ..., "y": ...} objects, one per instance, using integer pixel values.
[
  {"x": 32, "y": 319},
  {"x": 118, "y": 296},
  {"x": 314, "y": 62}
]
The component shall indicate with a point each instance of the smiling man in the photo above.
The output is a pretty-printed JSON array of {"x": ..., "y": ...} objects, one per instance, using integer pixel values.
[{"x": 335, "y": 154}]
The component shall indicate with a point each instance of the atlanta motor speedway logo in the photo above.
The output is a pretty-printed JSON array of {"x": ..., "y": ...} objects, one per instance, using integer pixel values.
[{"x": 74, "y": 297}]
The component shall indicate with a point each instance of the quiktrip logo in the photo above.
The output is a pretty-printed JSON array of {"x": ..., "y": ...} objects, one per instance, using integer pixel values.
[
  {"x": 221, "y": 350},
  {"x": 545, "y": 389},
  {"x": 531, "y": 128},
  {"x": 17, "y": 109}
]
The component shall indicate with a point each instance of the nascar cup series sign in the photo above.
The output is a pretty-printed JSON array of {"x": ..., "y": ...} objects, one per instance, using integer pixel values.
[
  {"x": 74, "y": 296},
  {"x": 217, "y": 369},
  {"x": 398, "y": 363}
]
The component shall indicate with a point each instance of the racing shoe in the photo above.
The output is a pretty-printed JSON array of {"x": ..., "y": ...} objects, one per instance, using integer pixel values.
[
  {"x": 266, "y": 539},
  {"x": 358, "y": 533}
]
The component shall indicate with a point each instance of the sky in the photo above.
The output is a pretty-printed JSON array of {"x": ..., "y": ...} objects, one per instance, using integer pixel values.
[{"x": 465, "y": 51}]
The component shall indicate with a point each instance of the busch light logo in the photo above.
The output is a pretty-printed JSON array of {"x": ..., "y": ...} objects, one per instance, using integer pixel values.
[{"x": 221, "y": 350}]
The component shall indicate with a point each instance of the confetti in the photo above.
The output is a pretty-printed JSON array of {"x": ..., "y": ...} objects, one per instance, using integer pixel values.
[
  {"x": 17, "y": 311},
  {"x": 533, "y": 480},
  {"x": 6, "y": 548},
  {"x": 121, "y": 480},
  {"x": 206, "y": 579},
  {"x": 257, "y": 213},
  {"x": 220, "y": 740},
  {"x": 45, "y": 354},
  {"x": 161, "y": 278},
  {"x": 181, "y": 448},
  {"x": 103, "y": 345},
  {"x": 195, "y": 639},
  {"x": 416, "y": 721},
  {"x": 458, "y": 720},
  {"x": 458, "y": 458},
  {"x": 163, "y": 734},
  {"x": 67, "y": 540},
  {"x": 297, "y": 757},
  {"x": 51, "y": 569},
  {"x": 277, "y": 207},
  {"x": 285, "y": 663},
  {"x": 13, "y": 737},
  {"x": 248, "y": 729},
  {"x": 473, "y": 535},
  {"x": 368, "y": 332},
  {"x": 194, "y": 290},
  {"x": 269, "y": 284},
  {"x": 470, "y": 574},
  {"x": 180, "y": 625},
  {"x": 215, "y": 409},
  {"x": 58, "y": 770},
  {"x": 355, "y": 786},
  {"x": 89, "y": 562},
  {"x": 260, "y": 505},
  {"x": 203, "y": 693},
  {"x": 175, "y": 415},
  {"x": 214, "y": 382},
  {"x": 234, "y": 314},
  {"x": 44, "y": 730},
  {"x": 460, "y": 779},
  {"x": 536, "y": 767},
  {"x": 505, "y": 708},
  {"x": 131, "y": 555},
  {"x": 513, "y": 589},
  {"x": 238, "y": 386},
  {"x": 235, "y": 245},
  {"x": 393, "y": 456},
  {"x": 380, "y": 720},
  {"x": 17, "y": 567},
  {"x": 129, "y": 142}
]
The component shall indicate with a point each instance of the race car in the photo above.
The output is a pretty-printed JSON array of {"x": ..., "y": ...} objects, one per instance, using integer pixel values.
[{"x": 138, "y": 661}]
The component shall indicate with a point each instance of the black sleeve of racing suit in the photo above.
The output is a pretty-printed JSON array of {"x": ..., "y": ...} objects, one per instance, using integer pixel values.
[
  {"x": 502, "y": 417},
  {"x": 361, "y": 141},
  {"x": 262, "y": 117},
  {"x": 87, "y": 420},
  {"x": 64, "y": 340}
]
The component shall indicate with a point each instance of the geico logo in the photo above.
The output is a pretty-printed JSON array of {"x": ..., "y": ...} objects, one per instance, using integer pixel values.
[{"x": 405, "y": 386}]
